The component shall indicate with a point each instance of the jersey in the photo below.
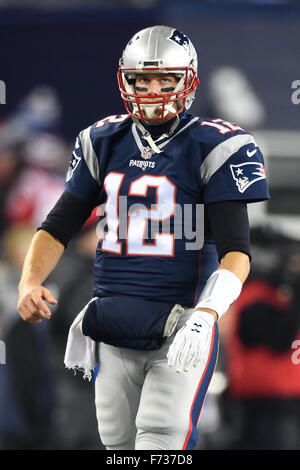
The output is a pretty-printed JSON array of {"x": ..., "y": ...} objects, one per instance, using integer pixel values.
[{"x": 155, "y": 242}]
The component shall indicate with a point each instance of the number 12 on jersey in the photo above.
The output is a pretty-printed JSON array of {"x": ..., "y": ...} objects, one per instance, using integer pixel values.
[{"x": 139, "y": 215}]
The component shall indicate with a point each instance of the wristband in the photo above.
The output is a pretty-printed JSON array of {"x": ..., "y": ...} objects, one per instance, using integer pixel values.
[{"x": 222, "y": 288}]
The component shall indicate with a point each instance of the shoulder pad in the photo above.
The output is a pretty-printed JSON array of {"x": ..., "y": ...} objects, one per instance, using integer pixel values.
[
  {"x": 215, "y": 131},
  {"x": 110, "y": 125}
]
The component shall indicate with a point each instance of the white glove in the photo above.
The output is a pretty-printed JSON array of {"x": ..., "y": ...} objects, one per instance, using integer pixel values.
[{"x": 192, "y": 342}]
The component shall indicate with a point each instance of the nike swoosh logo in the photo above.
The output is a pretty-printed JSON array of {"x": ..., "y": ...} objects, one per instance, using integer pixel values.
[{"x": 251, "y": 153}]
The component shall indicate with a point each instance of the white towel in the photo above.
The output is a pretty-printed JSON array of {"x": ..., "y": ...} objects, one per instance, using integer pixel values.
[{"x": 80, "y": 351}]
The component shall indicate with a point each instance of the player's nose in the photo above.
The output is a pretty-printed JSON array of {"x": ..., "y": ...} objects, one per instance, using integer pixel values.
[{"x": 154, "y": 87}]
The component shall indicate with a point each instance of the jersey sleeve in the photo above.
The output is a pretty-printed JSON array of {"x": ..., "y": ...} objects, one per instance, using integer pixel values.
[
  {"x": 234, "y": 169},
  {"x": 82, "y": 178}
]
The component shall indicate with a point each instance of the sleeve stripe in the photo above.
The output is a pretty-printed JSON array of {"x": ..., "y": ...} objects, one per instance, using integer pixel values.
[
  {"x": 89, "y": 153},
  {"x": 221, "y": 153}
]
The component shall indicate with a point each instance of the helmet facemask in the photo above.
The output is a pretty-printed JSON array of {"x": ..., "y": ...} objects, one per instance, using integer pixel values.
[{"x": 162, "y": 106}]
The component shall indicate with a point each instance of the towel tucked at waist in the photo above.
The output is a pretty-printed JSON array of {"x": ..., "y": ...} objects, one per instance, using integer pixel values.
[{"x": 80, "y": 351}]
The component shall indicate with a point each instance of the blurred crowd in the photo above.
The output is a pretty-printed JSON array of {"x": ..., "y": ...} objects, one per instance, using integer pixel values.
[
  {"x": 45, "y": 406},
  {"x": 42, "y": 405},
  {"x": 258, "y": 405}
]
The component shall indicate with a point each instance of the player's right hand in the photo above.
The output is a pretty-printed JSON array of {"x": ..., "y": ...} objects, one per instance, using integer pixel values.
[{"x": 31, "y": 305}]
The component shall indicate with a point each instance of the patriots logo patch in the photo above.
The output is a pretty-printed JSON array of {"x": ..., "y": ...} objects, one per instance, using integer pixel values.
[
  {"x": 73, "y": 165},
  {"x": 179, "y": 38},
  {"x": 245, "y": 174}
]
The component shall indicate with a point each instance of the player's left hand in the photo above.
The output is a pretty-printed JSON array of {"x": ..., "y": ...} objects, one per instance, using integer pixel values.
[{"x": 191, "y": 343}]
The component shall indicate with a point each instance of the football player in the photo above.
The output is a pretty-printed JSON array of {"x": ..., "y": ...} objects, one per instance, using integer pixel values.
[{"x": 175, "y": 249}]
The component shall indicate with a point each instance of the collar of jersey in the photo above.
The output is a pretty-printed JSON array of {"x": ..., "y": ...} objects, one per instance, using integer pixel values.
[{"x": 158, "y": 131}]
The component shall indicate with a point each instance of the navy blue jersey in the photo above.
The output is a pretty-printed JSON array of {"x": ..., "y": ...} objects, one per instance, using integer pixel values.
[{"x": 154, "y": 242}]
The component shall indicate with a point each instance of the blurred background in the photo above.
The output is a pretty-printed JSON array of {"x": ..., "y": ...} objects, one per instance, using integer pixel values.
[{"x": 58, "y": 65}]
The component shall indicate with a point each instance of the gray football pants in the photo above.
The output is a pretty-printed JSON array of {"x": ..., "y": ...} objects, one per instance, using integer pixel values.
[{"x": 142, "y": 403}]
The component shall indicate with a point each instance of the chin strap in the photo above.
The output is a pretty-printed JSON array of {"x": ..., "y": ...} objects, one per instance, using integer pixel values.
[{"x": 147, "y": 136}]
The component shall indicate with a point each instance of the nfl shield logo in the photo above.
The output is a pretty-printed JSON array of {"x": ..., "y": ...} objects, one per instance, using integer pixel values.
[{"x": 146, "y": 153}]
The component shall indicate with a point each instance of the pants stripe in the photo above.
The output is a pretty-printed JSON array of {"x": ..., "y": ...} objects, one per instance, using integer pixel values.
[{"x": 191, "y": 437}]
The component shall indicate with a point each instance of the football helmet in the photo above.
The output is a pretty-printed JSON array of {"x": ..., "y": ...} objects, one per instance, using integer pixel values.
[{"x": 158, "y": 49}]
